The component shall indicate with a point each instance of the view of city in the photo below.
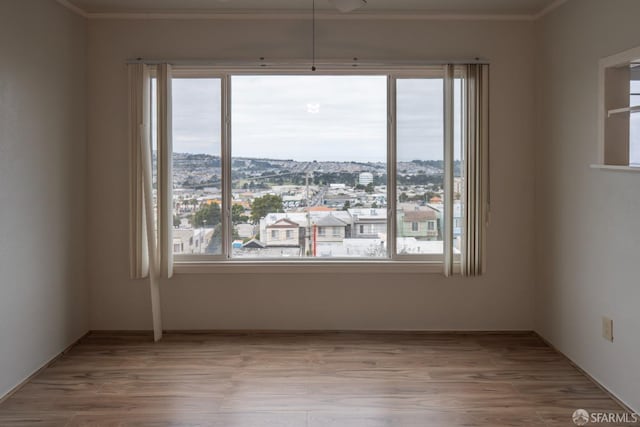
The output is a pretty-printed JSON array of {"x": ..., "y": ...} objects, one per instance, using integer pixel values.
[
  {"x": 309, "y": 171},
  {"x": 289, "y": 208}
]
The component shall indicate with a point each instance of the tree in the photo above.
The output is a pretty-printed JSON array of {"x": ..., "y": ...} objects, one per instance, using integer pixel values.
[
  {"x": 237, "y": 215},
  {"x": 215, "y": 244},
  {"x": 208, "y": 214},
  {"x": 176, "y": 221},
  {"x": 403, "y": 197},
  {"x": 369, "y": 188},
  {"x": 264, "y": 205},
  {"x": 347, "y": 205}
]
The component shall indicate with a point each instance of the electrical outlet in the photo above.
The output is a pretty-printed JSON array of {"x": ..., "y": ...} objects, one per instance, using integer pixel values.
[{"x": 607, "y": 329}]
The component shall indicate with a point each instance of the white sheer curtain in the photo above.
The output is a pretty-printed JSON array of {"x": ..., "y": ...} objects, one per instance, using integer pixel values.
[
  {"x": 151, "y": 248},
  {"x": 474, "y": 104},
  {"x": 476, "y": 168},
  {"x": 139, "y": 123}
]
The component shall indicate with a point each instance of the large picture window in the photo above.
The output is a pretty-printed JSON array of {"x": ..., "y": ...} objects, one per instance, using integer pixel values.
[
  {"x": 363, "y": 166},
  {"x": 308, "y": 152}
]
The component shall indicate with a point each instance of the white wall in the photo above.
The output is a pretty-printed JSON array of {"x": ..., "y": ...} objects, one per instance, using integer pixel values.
[
  {"x": 503, "y": 299},
  {"x": 588, "y": 227},
  {"x": 586, "y": 220},
  {"x": 43, "y": 294}
]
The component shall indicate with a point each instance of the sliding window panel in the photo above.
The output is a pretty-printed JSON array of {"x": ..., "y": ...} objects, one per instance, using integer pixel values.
[
  {"x": 459, "y": 181},
  {"x": 634, "y": 139},
  {"x": 309, "y": 166},
  {"x": 419, "y": 167},
  {"x": 634, "y": 119},
  {"x": 197, "y": 167}
]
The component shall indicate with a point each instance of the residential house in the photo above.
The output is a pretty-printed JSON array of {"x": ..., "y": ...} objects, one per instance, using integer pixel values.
[
  {"x": 282, "y": 233},
  {"x": 368, "y": 223},
  {"x": 329, "y": 228},
  {"x": 419, "y": 223}
]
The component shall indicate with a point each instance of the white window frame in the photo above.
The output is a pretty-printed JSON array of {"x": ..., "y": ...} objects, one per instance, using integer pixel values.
[{"x": 394, "y": 262}]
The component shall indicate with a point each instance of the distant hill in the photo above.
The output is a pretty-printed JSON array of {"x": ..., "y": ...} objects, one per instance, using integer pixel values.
[{"x": 197, "y": 170}]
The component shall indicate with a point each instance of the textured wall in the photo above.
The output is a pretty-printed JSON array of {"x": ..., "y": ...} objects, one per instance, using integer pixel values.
[
  {"x": 588, "y": 231},
  {"x": 43, "y": 293}
]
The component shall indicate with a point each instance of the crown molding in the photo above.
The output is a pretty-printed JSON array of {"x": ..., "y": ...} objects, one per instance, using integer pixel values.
[
  {"x": 289, "y": 15},
  {"x": 392, "y": 16}
]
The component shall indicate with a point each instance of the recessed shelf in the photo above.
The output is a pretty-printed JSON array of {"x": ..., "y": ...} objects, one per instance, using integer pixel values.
[
  {"x": 634, "y": 109},
  {"x": 619, "y": 112},
  {"x": 617, "y": 168}
]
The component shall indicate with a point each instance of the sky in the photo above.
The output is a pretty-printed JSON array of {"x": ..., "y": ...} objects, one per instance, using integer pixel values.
[{"x": 306, "y": 118}]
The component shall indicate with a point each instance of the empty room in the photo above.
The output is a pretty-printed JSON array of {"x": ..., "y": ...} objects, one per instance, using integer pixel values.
[{"x": 311, "y": 213}]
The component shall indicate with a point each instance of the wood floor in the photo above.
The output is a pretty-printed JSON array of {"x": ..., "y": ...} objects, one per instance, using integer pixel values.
[{"x": 307, "y": 380}]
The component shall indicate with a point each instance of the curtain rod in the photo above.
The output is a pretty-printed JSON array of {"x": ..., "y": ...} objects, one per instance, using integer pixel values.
[{"x": 303, "y": 64}]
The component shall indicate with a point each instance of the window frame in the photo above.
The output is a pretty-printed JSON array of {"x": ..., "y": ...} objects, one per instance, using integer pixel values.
[{"x": 405, "y": 263}]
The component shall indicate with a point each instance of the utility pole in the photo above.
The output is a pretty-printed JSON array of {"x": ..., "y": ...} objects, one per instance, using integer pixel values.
[
  {"x": 307, "y": 185},
  {"x": 307, "y": 203}
]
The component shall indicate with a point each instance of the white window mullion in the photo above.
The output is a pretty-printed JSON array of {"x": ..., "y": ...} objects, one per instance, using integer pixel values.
[
  {"x": 165, "y": 170},
  {"x": 448, "y": 168},
  {"x": 391, "y": 167},
  {"x": 227, "y": 185}
]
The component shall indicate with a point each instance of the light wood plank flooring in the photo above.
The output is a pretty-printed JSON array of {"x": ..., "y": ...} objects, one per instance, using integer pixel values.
[{"x": 307, "y": 380}]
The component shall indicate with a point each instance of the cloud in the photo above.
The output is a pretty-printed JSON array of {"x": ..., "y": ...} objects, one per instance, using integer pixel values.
[
  {"x": 339, "y": 118},
  {"x": 196, "y": 116}
]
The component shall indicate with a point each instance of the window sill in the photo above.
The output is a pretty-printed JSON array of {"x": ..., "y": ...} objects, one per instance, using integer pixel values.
[
  {"x": 616, "y": 168},
  {"x": 302, "y": 267}
]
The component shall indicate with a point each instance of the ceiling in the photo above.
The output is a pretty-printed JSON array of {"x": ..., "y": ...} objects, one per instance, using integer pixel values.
[{"x": 467, "y": 7}]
